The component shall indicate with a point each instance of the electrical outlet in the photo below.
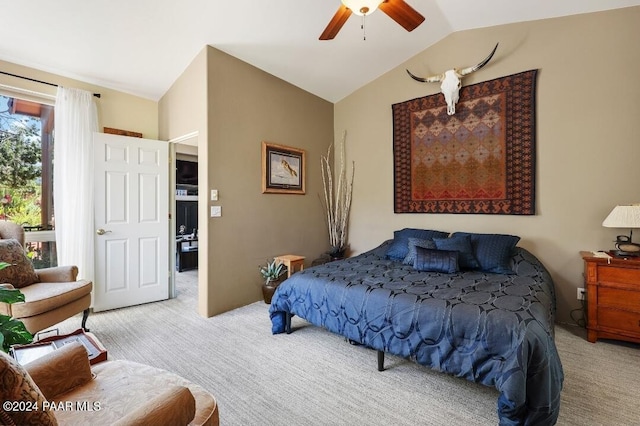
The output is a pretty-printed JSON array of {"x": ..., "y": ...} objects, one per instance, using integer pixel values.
[{"x": 582, "y": 293}]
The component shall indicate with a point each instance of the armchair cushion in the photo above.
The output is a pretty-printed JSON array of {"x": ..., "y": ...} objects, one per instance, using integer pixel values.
[
  {"x": 61, "y": 371},
  {"x": 16, "y": 385},
  {"x": 21, "y": 273},
  {"x": 45, "y": 296},
  {"x": 174, "y": 406},
  {"x": 122, "y": 387},
  {"x": 58, "y": 274}
]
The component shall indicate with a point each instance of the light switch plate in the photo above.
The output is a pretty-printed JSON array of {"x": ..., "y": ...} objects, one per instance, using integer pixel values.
[
  {"x": 214, "y": 195},
  {"x": 216, "y": 211}
]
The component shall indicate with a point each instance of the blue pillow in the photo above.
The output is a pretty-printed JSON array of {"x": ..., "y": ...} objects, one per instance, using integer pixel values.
[
  {"x": 400, "y": 245},
  {"x": 493, "y": 251},
  {"x": 410, "y": 258},
  {"x": 461, "y": 244},
  {"x": 430, "y": 260}
]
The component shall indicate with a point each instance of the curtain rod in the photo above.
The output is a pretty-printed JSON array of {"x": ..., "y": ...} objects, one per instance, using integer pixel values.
[{"x": 97, "y": 95}]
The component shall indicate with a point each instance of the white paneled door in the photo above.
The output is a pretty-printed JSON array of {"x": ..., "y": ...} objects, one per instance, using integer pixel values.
[{"x": 132, "y": 221}]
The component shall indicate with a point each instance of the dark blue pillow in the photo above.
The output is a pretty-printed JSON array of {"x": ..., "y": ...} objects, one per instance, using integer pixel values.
[
  {"x": 493, "y": 251},
  {"x": 461, "y": 244},
  {"x": 410, "y": 258},
  {"x": 430, "y": 260},
  {"x": 400, "y": 245}
]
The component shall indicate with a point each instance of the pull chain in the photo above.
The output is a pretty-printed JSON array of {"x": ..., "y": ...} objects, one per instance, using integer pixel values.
[
  {"x": 364, "y": 28},
  {"x": 364, "y": 10}
]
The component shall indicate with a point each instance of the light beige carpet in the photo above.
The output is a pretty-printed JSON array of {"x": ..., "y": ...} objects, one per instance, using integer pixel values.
[{"x": 313, "y": 377}]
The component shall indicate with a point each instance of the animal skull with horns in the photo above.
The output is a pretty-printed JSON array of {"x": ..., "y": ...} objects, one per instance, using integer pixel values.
[{"x": 451, "y": 82}]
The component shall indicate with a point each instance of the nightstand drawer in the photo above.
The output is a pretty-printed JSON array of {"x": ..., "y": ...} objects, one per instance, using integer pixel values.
[
  {"x": 613, "y": 297},
  {"x": 620, "y": 320},
  {"x": 619, "y": 275}
]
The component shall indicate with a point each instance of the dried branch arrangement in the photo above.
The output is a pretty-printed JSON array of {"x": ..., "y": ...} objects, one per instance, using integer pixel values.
[{"x": 337, "y": 200}]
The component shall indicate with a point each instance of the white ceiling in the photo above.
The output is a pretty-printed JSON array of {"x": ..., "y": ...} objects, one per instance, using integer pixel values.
[{"x": 142, "y": 46}]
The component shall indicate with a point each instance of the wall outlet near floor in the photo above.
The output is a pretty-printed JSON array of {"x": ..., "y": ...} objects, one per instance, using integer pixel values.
[{"x": 582, "y": 293}]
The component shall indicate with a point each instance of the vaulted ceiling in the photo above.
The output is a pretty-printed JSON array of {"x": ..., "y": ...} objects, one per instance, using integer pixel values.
[{"x": 142, "y": 46}]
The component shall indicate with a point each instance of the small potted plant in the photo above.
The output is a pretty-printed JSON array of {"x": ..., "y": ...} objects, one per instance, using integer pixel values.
[
  {"x": 272, "y": 274},
  {"x": 12, "y": 331}
]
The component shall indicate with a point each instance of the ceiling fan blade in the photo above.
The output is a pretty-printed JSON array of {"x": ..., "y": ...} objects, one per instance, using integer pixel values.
[
  {"x": 402, "y": 13},
  {"x": 336, "y": 23}
]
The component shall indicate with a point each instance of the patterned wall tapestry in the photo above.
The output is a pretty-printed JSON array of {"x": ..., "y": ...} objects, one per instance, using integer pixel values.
[{"x": 479, "y": 160}]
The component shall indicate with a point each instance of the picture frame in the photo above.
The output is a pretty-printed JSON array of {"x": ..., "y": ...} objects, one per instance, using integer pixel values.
[
  {"x": 283, "y": 169},
  {"x": 120, "y": 132}
]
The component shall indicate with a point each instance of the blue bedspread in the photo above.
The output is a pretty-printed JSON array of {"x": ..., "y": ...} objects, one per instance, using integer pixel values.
[{"x": 488, "y": 328}]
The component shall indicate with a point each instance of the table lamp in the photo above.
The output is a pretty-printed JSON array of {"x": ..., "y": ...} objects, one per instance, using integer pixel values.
[{"x": 625, "y": 217}]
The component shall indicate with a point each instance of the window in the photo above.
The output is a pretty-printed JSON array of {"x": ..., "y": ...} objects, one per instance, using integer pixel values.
[{"x": 26, "y": 173}]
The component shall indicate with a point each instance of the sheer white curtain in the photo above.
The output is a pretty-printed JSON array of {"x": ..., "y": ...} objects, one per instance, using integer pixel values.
[{"x": 76, "y": 118}]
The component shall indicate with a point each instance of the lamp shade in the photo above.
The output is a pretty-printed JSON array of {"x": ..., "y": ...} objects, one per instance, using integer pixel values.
[
  {"x": 623, "y": 217},
  {"x": 362, "y": 7}
]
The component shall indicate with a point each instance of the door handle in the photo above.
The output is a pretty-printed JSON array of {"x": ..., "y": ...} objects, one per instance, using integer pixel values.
[{"x": 101, "y": 231}]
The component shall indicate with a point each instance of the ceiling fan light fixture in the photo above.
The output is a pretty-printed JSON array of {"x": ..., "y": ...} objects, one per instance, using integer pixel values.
[{"x": 362, "y": 7}]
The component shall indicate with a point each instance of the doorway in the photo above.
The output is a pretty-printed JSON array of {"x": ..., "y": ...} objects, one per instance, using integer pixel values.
[{"x": 185, "y": 218}]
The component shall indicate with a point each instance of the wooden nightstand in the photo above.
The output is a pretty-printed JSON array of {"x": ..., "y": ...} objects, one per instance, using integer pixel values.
[
  {"x": 613, "y": 297},
  {"x": 291, "y": 261}
]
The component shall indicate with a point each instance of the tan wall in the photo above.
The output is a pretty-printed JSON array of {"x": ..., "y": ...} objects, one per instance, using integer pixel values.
[
  {"x": 233, "y": 107},
  {"x": 588, "y": 104},
  {"x": 183, "y": 108},
  {"x": 248, "y": 106},
  {"x": 183, "y": 111},
  {"x": 115, "y": 109}
]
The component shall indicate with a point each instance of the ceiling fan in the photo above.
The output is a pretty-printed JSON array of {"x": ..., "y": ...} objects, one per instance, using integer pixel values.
[{"x": 397, "y": 10}]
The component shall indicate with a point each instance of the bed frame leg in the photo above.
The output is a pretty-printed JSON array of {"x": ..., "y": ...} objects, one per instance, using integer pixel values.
[
  {"x": 287, "y": 322},
  {"x": 380, "y": 361}
]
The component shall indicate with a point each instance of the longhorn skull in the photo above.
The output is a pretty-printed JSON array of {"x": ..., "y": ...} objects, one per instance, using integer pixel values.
[{"x": 451, "y": 82}]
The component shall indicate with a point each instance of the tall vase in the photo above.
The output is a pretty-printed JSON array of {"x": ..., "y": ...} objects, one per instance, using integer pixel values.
[{"x": 337, "y": 253}]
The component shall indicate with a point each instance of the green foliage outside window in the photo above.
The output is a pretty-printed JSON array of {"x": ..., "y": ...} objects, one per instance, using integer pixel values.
[
  {"x": 20, "y": 205},
  {"x": 20, "y": 167},
  {"x": 20, "y": 153}
]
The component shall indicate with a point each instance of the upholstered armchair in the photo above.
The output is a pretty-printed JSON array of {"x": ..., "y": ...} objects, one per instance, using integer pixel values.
[
  {"x": 51, "y": 294},
  {"x": 68, "y": 391}
]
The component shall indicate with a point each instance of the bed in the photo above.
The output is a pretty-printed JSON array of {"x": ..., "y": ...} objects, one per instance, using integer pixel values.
[{"x": 488, "y": 324}]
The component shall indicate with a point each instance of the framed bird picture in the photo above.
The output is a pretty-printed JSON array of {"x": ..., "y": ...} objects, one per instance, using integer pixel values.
[{"x": 283, "y": 169}]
